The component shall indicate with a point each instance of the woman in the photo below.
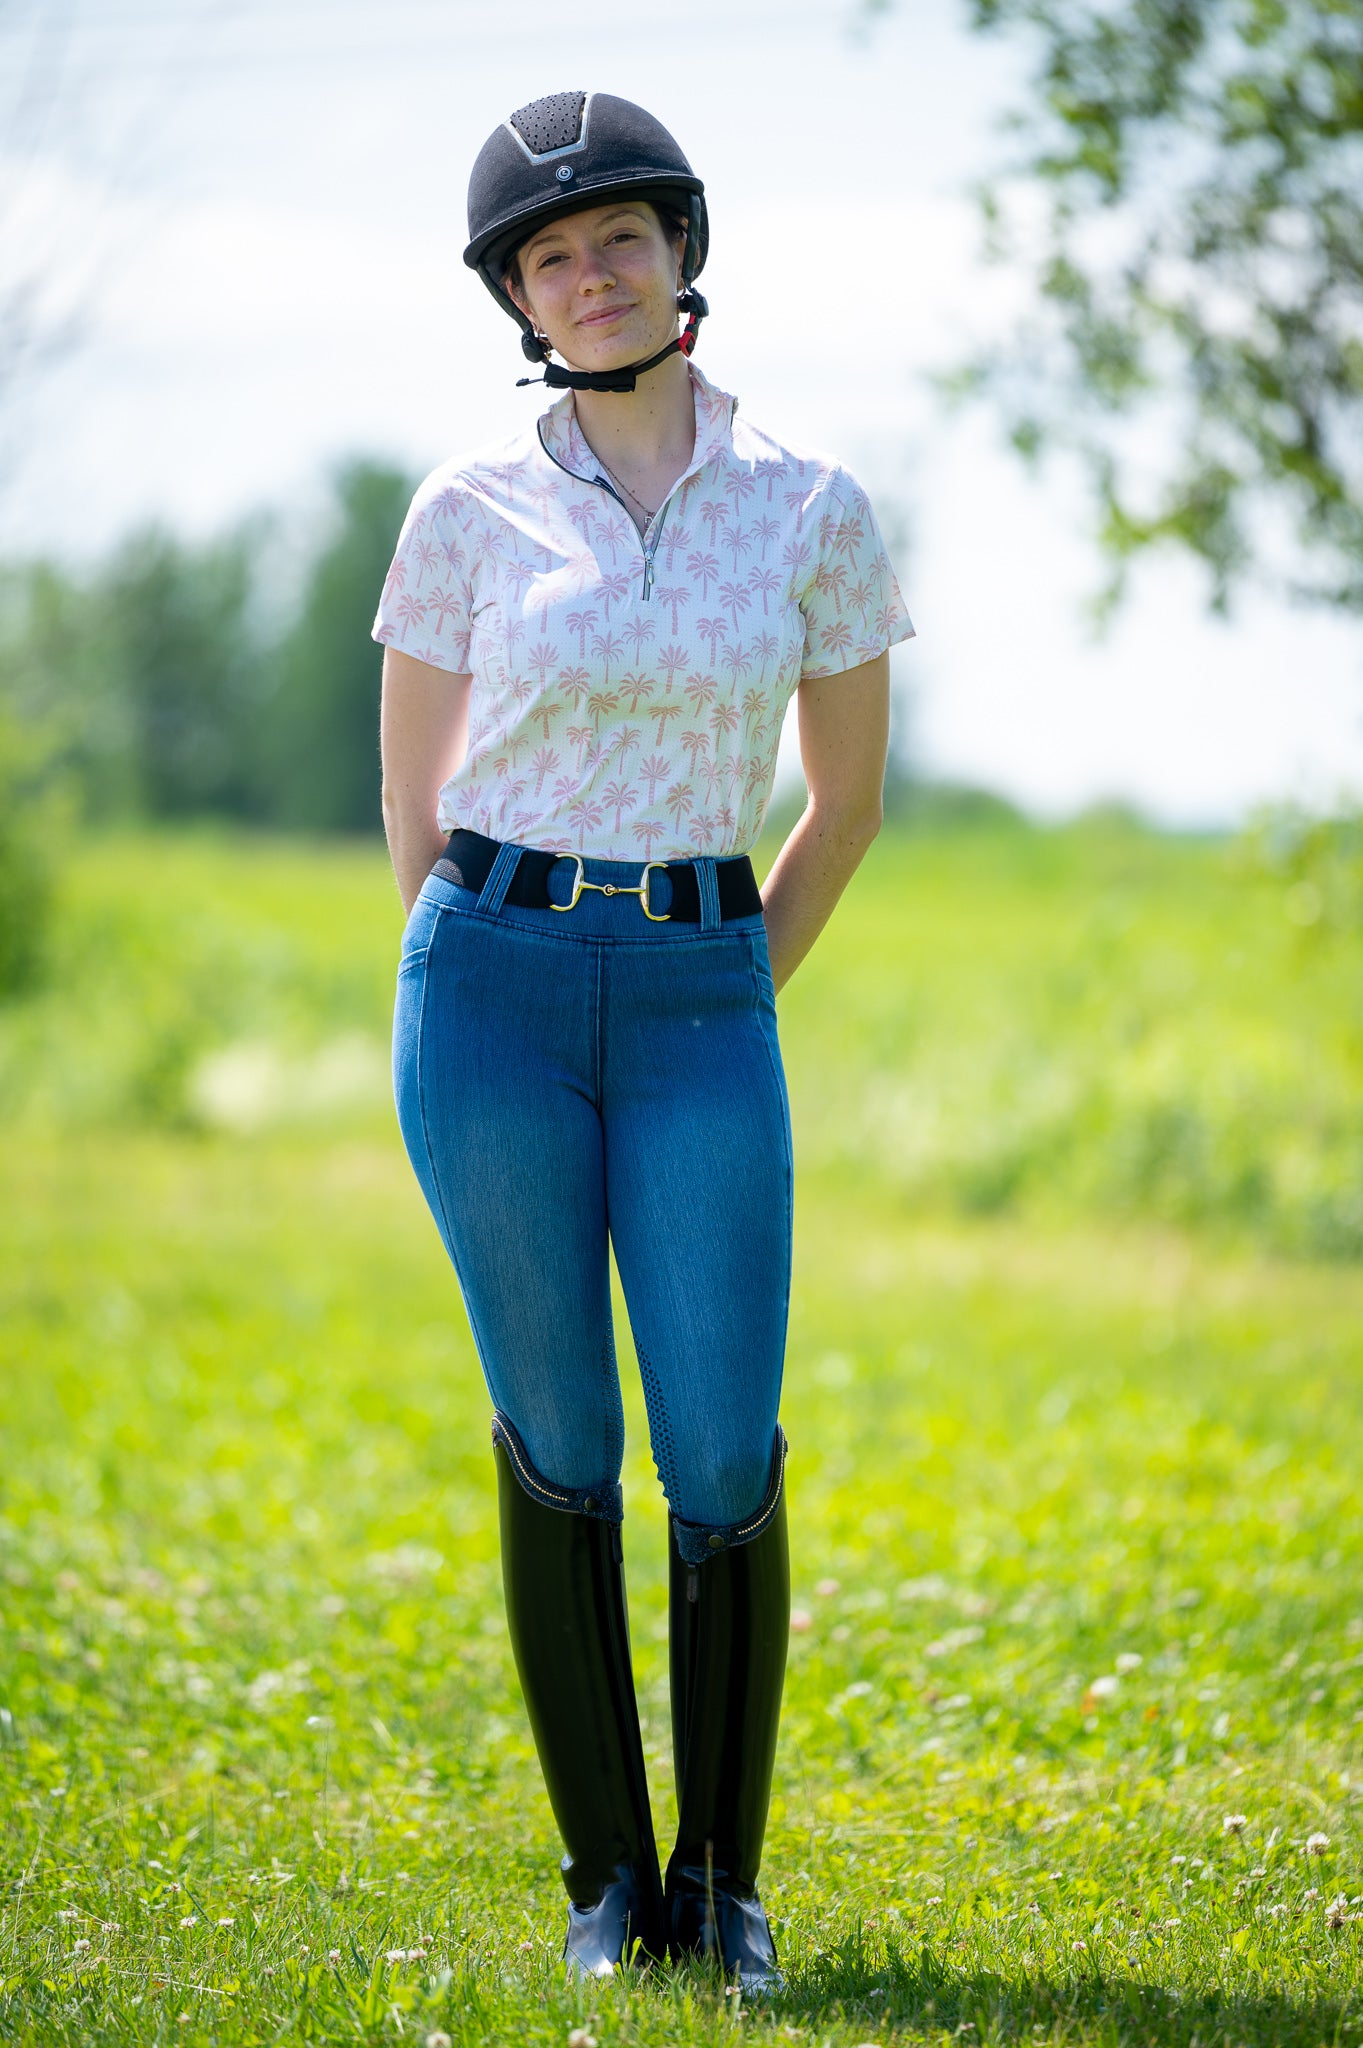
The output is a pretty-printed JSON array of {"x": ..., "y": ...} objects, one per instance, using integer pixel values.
[{"x": 591, "y": 634}]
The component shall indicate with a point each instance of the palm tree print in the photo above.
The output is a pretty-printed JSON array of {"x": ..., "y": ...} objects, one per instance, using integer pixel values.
[
  {"x": 639, "y": 632},
  {"x": 583, "y": 814},
  {"x": 662, "y": 712},
  {"x": 695, "y": 743},
  {"x": 672, "y": 661},
  {"x": 735, "y": 598},
  {"x": 679, "y": 800},
  {"x": 649, "y": 830},
  {"x": 581, "y": 623},
  {"x": 837, "y": 637},
  {"x": 613, "y": 588},
  {"x": 712, "y": 632},
  {"x": 618, "y": 796},
  {"x": 605, "y": 646},
  {"x": 522, "y": 568},
  {"x": 704, "y": 568}
]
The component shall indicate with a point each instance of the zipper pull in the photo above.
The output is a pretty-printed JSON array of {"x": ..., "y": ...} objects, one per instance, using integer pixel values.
[
  {"x": 648, "y": 575},
  {"x": 693, "y": 1585}
]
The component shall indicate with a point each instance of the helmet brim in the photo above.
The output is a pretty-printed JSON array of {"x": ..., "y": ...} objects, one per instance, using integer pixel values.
[{"x": 491, "y": 251}]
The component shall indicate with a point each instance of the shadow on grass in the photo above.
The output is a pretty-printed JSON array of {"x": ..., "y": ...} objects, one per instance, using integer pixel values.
[{"x": 908, "y": 1993}]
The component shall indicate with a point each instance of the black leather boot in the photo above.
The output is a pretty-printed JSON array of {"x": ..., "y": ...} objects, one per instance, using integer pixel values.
[
  {"x": 565, "y": 1604},
  {"x": 730, "y": 1627}
]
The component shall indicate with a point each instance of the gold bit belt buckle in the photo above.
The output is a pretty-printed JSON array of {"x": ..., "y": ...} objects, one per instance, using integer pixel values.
[{"x": 615, "y": 889}]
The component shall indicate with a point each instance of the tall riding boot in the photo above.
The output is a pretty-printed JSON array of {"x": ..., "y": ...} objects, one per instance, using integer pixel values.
[
  {"x": 565, "y": 1606},
  {"x": 730, "y": 1626}
]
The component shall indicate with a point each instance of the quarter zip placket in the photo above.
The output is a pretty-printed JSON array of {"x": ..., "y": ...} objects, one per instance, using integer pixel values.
[{"x": 646, "y": 548}]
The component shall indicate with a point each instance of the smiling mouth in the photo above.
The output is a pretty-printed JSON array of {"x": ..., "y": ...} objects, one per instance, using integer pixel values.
[{"x": 600, "y": 319}]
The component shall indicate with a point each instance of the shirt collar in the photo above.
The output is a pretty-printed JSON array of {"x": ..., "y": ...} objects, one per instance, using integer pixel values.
[{"x": 565, "y": 441}]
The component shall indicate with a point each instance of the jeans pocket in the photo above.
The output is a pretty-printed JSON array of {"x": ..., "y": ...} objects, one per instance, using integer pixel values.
[
  {"x": 761, "y": 966},
  {"x": 418, "y": 931}
]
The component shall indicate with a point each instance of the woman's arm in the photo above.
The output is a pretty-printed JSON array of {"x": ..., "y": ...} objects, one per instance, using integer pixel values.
[
  {"x": 423, "y": 735},
  {"x": 844, "y": 738}
]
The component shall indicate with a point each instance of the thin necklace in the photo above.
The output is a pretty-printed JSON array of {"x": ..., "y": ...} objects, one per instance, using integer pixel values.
[{"x": 627, "y": 491}]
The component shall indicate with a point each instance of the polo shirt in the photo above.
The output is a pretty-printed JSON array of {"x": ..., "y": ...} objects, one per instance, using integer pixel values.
[{"x": 628, "y": 693}]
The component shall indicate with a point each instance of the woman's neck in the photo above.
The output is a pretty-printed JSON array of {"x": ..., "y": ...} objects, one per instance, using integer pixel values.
[{"x": 650, "y": 428}]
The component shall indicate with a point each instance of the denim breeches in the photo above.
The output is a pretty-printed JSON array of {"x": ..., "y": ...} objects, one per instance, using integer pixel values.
[{"x": 565, "y": 1080}]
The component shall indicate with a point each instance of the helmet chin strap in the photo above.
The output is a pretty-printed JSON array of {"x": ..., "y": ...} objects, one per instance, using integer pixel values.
[{"x": 624, "y": 379}]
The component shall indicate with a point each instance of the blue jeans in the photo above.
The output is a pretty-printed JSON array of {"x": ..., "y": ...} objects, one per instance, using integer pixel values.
[{"x": 565, "y": 1078}]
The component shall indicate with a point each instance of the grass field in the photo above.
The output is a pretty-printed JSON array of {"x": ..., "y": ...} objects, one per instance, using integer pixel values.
[{"x": 1073, "y": 1744}]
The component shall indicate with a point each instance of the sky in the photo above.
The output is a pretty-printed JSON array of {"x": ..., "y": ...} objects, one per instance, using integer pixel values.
[{"x": 255, "y": 210}]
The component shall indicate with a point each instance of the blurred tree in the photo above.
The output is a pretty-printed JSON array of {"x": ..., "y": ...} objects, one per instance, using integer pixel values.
[
  {"x": 27, "y": 820},
  {"x": 1190, "y": 203},
  {"x": 186, "y": 670},
  {"x": 324, "y": 724}
]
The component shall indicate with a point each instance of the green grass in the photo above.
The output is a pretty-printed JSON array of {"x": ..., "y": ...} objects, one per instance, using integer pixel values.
[{"x": 254, "y": 1665}]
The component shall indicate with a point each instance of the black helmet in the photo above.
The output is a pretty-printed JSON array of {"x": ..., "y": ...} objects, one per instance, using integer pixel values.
[{"x": 556, "y": 156}]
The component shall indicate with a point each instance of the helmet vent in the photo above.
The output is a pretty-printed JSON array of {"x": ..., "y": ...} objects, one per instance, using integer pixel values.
[{"x": 546, "y": 127}]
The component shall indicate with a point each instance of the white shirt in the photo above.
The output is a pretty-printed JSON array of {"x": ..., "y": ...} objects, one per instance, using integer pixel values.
[{"x": 628, "y": 693}]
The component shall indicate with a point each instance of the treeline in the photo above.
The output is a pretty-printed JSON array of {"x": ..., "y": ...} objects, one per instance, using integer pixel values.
[{"x": 233, "y": 678}]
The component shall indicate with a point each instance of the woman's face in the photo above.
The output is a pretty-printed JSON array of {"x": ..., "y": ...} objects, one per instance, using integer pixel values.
[{"x": 601, "y": 284}]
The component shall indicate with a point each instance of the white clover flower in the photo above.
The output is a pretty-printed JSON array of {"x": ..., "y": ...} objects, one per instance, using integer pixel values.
[
  {"x": 190, "y": 1920},
  {"x": 227, "y": 1921},
  {"x": 1178, "y": 1859},
  {"x": 1078, "y": 1944},
  {"x": 1173, "y": 1923},
  {"x": 69, "y": 1913},
  {"x": 1103, "y": 1688},
  {"x": 1234, "y": 1823},
  {"x": 1317, "y": 1844},
  {"x": 438, "y": 2040},
  {"x": 580, "y": 2038},
  {"x": 333, "y": 1955},
  {"x": 81, "y": 1947},
  {"x": 395, "y": 1955},
  {"x": 800, "y": 1620},
  {"x": 825, "y": 1589},
  {"x": 1129, "y": 1660},
  {"x": 1312, "y": 1893}
]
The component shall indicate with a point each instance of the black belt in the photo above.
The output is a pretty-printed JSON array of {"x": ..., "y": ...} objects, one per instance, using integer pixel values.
[{"x": 468, "y": 857}]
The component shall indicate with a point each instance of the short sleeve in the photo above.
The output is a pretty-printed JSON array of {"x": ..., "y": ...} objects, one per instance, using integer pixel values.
[
  {"x": 426, "y": 609},
  {"x": 852, "y": 603}
]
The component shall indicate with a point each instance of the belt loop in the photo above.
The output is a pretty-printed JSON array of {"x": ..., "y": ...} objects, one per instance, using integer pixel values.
[
  {"x": 707, "y": 883},
  {"x": 499, "y": 878}
]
